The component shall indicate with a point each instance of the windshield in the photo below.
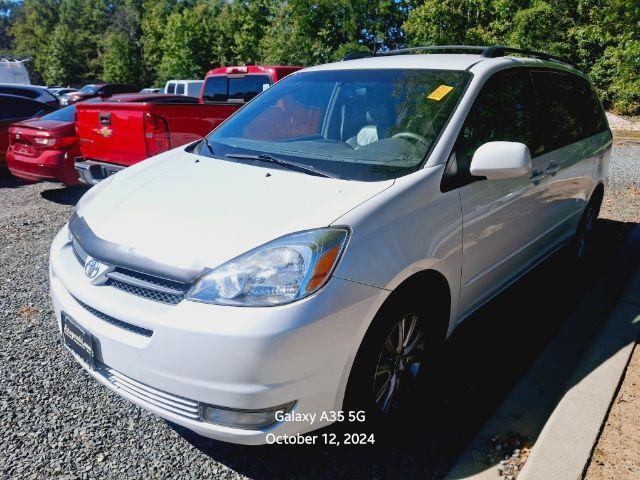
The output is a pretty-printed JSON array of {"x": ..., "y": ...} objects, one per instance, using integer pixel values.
[
  {"x": 354, "y": 124},
  {"x": 66, "y": 114},
  {"x": 90, "y": 89}
]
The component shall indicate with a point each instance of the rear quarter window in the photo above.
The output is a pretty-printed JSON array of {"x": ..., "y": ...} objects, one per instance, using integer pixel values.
[{"x": 569, "y": 109}]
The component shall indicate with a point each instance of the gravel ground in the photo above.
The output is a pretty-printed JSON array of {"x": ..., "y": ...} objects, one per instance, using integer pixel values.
[
  {"x": 622, "y": 198},
  {"x": 56, "y": 421}
]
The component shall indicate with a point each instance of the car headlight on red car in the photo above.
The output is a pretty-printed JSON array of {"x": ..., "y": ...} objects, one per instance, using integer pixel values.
[{"x": 282, "y": 271}]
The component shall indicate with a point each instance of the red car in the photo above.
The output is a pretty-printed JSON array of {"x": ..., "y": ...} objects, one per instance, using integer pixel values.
[
  {"x": 14, "y": 109},
  {"x": 127, "y": 129},
  {"x": 45, "y": 147}
]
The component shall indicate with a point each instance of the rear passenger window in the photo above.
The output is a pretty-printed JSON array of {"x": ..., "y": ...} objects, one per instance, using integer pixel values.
[
  {"x": 180, "y": 89},
  {"x": 503, "y": 111},
  {"x": 18, "y": 109},
  {"x": 569, "y": 109}
]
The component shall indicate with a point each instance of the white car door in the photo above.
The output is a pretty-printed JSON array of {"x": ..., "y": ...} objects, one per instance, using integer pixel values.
[
  {"x": 575, "y": 139},
  {"x": 503, "y": 220}
]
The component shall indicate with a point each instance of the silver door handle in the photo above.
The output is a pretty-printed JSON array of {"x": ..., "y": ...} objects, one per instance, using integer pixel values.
[
  {"x": 552, "y": 169},
  {"x": 537, "y": 176}
]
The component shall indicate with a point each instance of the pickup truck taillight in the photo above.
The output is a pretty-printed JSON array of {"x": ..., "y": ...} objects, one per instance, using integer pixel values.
[{"x": 156, "y": 134}]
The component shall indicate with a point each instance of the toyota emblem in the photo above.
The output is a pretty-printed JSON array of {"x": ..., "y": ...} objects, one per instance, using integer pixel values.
[{"x": 91, "y": 268}]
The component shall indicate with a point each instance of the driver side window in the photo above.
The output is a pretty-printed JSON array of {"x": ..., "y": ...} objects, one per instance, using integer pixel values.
[{"x": 503, "y": 111}]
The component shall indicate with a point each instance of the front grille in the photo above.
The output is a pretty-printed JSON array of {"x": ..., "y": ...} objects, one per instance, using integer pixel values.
[
  {"x": 140, "y": 284},
  {"x": 167, "y": 402},
  {"x": 80, "y": 255},
  {"x": 147, "y": 293},
  {"x": 114, "y": 321}
]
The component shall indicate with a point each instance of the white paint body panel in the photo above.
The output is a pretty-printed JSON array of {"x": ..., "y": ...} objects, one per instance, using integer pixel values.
[{"x": 196, "y": 212}]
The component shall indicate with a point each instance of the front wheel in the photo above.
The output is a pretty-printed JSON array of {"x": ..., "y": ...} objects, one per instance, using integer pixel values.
[{"x": 388, "y": 375}]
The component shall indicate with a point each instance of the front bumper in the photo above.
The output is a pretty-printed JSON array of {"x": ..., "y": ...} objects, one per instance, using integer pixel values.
[{"x": 240, "y": 358}]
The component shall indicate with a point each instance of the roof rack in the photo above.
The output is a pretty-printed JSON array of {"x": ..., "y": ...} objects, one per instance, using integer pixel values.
[{"x": 485, "y": 51}]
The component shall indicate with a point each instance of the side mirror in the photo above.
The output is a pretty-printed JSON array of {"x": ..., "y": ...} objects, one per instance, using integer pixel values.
[{"x": 498, "y": 160}]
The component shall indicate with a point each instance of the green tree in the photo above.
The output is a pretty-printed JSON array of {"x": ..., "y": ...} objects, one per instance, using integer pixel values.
[
  {"x": 32, "y": 28},
  {"x": 120, "y": 59},
  {"x": 188, "y": 43},
  {"x": 61, "y": 67},
  {"x": 308, "y": 32},
  {"x": 542, "y": 27},
  {"x": 122, "y": 47},
  {"x": 450, "y": 22},
  {"x": 86, "y": 20},
  {"x": 6, "y": 17},
  {"x": 153, "y": 25}
]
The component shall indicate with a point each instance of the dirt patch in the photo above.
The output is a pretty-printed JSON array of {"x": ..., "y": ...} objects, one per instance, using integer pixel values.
[
  {"x": 28, "y": 313},
  {"x": 617, "y": 453}
]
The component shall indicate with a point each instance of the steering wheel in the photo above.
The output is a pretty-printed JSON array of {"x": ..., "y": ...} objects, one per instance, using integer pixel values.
[{"x": 414, "y": 137}]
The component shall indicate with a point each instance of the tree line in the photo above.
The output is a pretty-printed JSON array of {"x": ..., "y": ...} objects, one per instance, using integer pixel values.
[{"x": 146, "y": 42}]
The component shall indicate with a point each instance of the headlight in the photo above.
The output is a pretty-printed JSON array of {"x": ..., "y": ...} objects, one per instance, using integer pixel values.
[{"x": 287, "y": 269}]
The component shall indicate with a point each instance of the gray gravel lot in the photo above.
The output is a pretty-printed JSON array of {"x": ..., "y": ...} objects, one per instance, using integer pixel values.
[
  {"x": 622, "y": 201},
  {"x": 56, "y": 421}
]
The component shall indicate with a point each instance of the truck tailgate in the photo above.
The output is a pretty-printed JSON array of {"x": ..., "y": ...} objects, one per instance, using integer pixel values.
[
  {"x": 116, "y": 133},
  {"x": 111, "y": 132}
]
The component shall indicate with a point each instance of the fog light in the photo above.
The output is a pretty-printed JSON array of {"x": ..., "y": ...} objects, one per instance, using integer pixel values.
[{"x": 246, "y": 419}]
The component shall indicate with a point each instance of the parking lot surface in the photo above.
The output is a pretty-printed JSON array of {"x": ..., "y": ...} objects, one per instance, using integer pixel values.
[{"x": 55, "y": 420}]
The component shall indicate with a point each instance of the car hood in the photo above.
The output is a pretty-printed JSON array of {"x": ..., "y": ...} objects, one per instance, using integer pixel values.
[{"x": 190, "y": 212}]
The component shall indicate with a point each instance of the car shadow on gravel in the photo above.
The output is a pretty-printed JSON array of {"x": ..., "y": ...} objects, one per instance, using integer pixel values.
[
  {"x": 484, "y": 360},
  {"x": 65, "y": 195},
  {"x": 9, "y": 181}
]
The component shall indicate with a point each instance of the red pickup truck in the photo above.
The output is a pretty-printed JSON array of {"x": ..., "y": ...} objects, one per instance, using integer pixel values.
[{"x": 127, "y": 129}]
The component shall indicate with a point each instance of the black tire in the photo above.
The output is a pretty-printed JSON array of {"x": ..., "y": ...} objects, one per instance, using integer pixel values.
[
  {"x": 376, "y": 353},
  {"x": 581, "y": 245}
]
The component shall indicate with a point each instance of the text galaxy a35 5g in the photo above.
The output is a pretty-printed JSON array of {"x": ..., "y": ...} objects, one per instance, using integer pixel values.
[{"x": 307, "y": 258}]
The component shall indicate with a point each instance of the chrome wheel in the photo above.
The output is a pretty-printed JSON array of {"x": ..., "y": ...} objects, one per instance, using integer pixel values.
[
  {"x": 399, "y": 363},
  {"x": 584, "y": 236}
]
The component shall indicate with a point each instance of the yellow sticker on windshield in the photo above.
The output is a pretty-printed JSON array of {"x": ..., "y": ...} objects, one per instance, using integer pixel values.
[{"x": 440, "y": 92}]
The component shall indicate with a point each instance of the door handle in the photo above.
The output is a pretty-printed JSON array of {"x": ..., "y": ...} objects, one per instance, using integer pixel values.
[
  {"x": 537, "y": 176},
  {"x": 552, "y": 169}
]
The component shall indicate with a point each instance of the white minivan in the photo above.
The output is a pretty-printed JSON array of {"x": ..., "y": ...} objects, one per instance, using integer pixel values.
[
  {"x": 188, "y": 88},
  {"x": 301, "y": 264}
]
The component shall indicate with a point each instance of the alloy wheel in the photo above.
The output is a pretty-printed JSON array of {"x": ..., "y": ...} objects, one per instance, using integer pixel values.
[{"x": 399, "y": 363}]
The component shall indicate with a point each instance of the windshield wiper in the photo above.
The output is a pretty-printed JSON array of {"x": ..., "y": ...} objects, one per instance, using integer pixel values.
[
  {"x": 278, "y": 161},
  {"x": 206, "y": 142}
]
